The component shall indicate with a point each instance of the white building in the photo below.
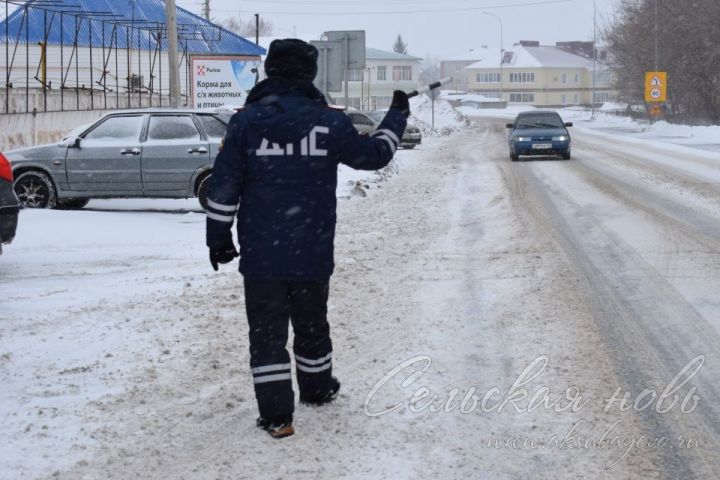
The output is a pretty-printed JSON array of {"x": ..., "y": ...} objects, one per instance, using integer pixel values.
[
  {"x": 543, "y": 75},
  {"x": 385, "y": 72}
]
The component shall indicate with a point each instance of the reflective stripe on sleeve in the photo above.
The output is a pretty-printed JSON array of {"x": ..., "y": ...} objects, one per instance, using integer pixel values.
[
  {"x": 389, "y": 133},
  {"x": 392, "y": 145}
]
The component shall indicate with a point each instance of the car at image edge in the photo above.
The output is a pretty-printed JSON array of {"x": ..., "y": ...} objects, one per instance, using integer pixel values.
[
  {"x": 9, "y": 205},
  {"x": 539, "y": 133},
  {"x": 161, "y": 153}
]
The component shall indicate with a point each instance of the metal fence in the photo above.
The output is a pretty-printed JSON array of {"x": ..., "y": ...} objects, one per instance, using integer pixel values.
[{"x": 108, "y": 60}]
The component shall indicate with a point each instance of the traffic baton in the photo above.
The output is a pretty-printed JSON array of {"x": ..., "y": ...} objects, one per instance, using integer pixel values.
[{"x": 432, "y": 86}]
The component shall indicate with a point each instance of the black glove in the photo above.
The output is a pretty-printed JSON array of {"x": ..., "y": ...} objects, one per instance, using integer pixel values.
[
  {"x": 222, "y": 255},
  {"x": 401, "y": 102}
]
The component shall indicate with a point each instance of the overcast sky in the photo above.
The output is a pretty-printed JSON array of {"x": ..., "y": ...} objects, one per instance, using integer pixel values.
[{"x": 430, "y": 27}]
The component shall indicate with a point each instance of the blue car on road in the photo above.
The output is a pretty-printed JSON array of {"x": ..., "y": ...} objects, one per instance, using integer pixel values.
[{"x": 539, "y": 132}]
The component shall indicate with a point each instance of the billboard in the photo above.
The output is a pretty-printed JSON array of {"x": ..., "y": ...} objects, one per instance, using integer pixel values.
[{"x": 222, "y": 80}]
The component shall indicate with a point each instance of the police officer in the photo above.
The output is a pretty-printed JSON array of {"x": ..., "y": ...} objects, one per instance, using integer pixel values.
[{"x": 277, "y": 174}]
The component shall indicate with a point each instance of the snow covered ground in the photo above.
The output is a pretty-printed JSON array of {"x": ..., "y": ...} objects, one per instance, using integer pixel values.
[
  {"x": 550, "y": 289},
  {"x": 92, "y": 307}
]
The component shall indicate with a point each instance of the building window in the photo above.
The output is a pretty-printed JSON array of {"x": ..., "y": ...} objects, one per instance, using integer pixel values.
[
  {"x": 563, "y": 78},
  {"x": 487, "y": 78},
  {"x": 577, "y": 99},
  {"x": 602, "y": 97},
  {"x": 577, "y": 78},
  {"x": 381, "y": 102},
  {"x": 563, "y": 99},
  {"x": 382, "y": 73},
  {"x": 355, "y": 75},
  {"x": 522, "y": 98},
  {"x": 402, "y": 72},
  {"x": 522, "y": 77},
  {"x": 603, "y": 76}
]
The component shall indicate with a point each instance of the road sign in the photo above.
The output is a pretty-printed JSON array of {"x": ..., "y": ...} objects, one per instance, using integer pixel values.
[
  {"x": 656, "y": 110},
  {"x": 331, "y": 65},
  {"x": 355, "y": 41},
  {"x": 656, "y": 87}
]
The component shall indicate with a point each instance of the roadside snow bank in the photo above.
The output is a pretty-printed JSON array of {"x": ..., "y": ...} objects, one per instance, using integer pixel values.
[{"x": 447, "y": 119}]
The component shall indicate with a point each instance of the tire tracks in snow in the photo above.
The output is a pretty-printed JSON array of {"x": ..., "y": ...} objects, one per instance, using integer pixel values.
[{"x": 650, "y": 328}]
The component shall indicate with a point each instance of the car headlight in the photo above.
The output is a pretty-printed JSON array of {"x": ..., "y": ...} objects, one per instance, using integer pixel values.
[
  {"x": 522, "y": 139},
  {"x": 560, "y": 138}
]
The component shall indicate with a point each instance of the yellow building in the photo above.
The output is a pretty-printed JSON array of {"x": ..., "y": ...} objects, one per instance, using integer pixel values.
[{"x": 542, "y": 76}]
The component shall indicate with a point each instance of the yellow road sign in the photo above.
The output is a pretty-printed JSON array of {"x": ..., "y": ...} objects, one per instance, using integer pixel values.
[{"x": 656, "y": 87}]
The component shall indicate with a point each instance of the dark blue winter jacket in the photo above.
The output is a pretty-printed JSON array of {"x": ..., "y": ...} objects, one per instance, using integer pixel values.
[{"x": 278, "y": 170}]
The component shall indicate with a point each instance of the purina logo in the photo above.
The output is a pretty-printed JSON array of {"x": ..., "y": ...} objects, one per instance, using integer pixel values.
[{"x": 201, "y": 70}]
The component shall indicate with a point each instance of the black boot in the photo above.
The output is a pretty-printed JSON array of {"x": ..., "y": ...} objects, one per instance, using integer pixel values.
[
  {"x": 277, "y": 427},
  {"x": 324, "y": 398}
]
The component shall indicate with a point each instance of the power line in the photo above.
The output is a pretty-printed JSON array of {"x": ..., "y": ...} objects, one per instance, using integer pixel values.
[{"x": 409, "y": 12}]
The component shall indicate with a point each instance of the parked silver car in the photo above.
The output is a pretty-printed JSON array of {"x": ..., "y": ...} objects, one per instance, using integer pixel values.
[
  {"x": 9, "y": 206},
  {"x": 135, "y": 153},
  {"x": 368, "y": 122}
]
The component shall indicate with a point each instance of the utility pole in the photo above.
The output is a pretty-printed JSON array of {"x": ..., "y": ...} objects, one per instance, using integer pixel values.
[
  {"x": 594, "y": 55},
  {"x": 257, "y": 28},
  {"x": 502, "y": 56},
  {"x": 206, "y": 9},
  {"x": 657, "y": 66},
  {"x": 173, "y": 67}
]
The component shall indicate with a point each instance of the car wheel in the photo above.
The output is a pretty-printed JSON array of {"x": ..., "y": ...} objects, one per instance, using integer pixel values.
[
  {"x": 514, "y": 157},
  {"x": 202, "y": 191},
  {"x": 567, "y": 156},
  {"x": 34, "y": 189},
  {"x": 71, "y": 203},
  {"x": 409, "y": 147}
]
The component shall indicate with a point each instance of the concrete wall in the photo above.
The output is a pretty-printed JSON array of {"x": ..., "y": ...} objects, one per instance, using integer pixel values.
[
  {"x": 24, "y": 130},
  {"x": 55, "y": 100}
]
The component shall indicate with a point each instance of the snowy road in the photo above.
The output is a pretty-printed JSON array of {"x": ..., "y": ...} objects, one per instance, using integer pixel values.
[{"x": 488, "y": 319}]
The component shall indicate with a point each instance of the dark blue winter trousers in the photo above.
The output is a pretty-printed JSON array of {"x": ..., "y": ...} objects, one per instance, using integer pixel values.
[{"x": 270, "y": 304}]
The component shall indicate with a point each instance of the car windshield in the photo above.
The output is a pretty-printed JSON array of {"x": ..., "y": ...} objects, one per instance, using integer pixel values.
[{"x": 540, "y": 120}]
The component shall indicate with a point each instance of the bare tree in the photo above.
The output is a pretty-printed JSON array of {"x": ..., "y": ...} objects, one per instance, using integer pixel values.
[
  {"x": 247, "y": 28},
  {"x": 429, "y": 72},
  {"x": 686, "y": 37}
]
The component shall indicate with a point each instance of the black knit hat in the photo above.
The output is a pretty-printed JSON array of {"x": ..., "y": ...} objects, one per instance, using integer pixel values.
[{"x": 291, "y": 58}]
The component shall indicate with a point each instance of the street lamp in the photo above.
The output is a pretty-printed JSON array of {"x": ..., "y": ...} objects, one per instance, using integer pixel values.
[
  {"x": 501, "y": 50},
  {"x": 594, "y": 56}
]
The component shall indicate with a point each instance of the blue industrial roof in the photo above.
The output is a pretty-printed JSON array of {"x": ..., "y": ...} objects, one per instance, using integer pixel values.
[{"x": 200, "y": 36}]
